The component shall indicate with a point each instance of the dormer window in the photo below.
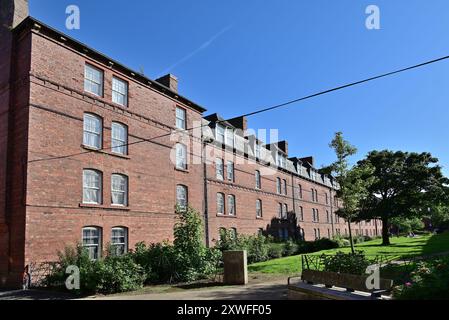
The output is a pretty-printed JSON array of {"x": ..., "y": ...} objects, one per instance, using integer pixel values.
[
  {"x": 230, "y": 137},
  {"x": 220, "y": 133},
  {"x": 281, "y": 160},
  {"x": 313, "y": 174},
  {"x": 257, "y": 150}
]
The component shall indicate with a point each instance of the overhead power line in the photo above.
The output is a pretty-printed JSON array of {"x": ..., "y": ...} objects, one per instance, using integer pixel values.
[{"x": 274, "y": 107}]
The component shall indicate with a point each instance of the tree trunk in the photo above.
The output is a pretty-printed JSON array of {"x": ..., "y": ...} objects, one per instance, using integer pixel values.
[
  {"x": 351, "y": 241},
  {"x": 385, "y": 232}
]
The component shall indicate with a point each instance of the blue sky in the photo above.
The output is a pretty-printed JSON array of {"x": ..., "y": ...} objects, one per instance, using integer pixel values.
[{"x": 233, "y": 57}]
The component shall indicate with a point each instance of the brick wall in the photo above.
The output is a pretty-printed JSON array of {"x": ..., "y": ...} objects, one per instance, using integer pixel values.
[
  {"x": 14, "y": 56},
  {"x": 46, "y": 159}
]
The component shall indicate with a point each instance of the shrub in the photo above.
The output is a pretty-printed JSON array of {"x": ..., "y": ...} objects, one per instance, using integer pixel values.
[
  {"x": 112, "y": 274},
  {"x": 275, "y": 251},
  {"x": 119, "y": 274},
  {"x": 290, "y": 248},
  {"x": 74, "y": 256},
  {"x": 257, "y": 247},
  {"x": 429, "y": 281},
  {"x": 322, "y": 244},
  {"x": 342, "y": 242},
  {"x": 346, "y": 262},
  {"x": 187, "y": 259},
  {"x": 192, "y": 259}
]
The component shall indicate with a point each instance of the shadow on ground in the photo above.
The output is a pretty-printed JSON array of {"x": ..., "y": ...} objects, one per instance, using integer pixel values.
[{"x": 35, "y": 295}]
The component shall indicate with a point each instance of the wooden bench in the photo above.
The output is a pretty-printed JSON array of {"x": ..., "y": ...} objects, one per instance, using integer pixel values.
[{"x": 324, "y": 285}]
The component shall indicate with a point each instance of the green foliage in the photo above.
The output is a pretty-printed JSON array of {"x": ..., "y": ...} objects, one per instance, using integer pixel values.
[
  {"x": 275, "y": 251},
  {"x": 257, "y": 247},
  {"x": 341, "y": 241},
  {"x": 290, "y": 248},
  {"x": 187, "y": 259},
  {"x": 439, "y": 216},
  {"x": 192, "y": 259},
  {"x": 353, "y": 182},
  {"x": 429, "y": 281},
  {"x": 119, "y": 274},
  {"x": 406, "y": 185},
  {"x": 406, "y": 226},
  {"x": 113, "y": 274},
  {"x": 351, "y": 263},
  {"x": 318, "y": 245}
]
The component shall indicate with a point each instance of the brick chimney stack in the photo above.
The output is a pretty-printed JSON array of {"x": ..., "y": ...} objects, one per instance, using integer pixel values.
[
  {"x": 12, "y": 12},
  {"x": 170, "y": 81}
]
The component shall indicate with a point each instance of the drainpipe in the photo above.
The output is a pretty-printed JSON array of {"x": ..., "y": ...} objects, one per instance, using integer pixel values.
[
  {"x": 205, "y": 200},
  {"x": 332, "y": 212}
]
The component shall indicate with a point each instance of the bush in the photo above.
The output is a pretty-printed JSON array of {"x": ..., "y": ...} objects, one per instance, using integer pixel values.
[
  {"x": 119, "y": 274},
  {"x": 322, "y": 244},
  {"x": 187, "y": 259},
  {"x": 346, "y": 263},
  {"x": 429, "y": 281},
  {"x": 290, "y": 248},
  {"x": 113, "y": 274},
  {"x": 275, "y": 251},
  {"x": 342, "y": 242},
  {"x": 257, "y": 247}
]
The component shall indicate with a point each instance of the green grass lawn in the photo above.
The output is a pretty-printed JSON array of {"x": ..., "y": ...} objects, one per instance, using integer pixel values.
[{"x": 423, "y": 245}]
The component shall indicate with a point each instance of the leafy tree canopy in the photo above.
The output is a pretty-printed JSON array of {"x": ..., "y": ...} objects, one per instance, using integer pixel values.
[{"x": 406, "y": 185}]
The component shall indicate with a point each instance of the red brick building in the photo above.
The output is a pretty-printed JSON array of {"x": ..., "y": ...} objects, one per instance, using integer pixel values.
[{"x": 92, "y": 152}]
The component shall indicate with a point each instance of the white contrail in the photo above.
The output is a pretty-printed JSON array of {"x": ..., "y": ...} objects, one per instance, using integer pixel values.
[{"x": 194, "y": 52}]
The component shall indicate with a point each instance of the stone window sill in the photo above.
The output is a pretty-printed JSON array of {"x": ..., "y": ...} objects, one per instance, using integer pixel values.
[
  {"x": 118, "y": 155},
  {"x": 103, "y": 207}
]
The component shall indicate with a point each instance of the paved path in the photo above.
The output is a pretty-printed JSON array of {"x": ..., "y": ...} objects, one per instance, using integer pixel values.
[{"x": 273, "y": 290}]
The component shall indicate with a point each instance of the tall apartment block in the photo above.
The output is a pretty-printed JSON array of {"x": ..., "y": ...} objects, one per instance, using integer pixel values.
[{"x": 92, "y": 152}]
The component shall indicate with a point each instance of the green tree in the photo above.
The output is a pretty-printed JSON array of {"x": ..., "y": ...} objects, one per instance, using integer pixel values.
[
  {"x": 353, "y": 182},
  {"x": 439, "y": 215},
  {"x": 406, "y": 185}
]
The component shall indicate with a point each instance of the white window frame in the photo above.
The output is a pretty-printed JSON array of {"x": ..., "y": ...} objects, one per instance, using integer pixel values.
[
  {"x": 300, "y": 191},
  {"x": 313, "y": 174},
  {"x": 119, "y": 89},
  {"x": 124, "y": 243},
  {"x": 97, "y": 247},
  {"x": 232, "y": 206},
  {"x": 96, "y": 188},
  {"x": 259, "y": 209},
  {"x": 230, "y": 174},
  {"x": 89, "y": 80},
  {"x": 181, "y": 156},
  {"x": 284, "y": 183},
  {"x": 258, "y": 180},
  {"x": 257, "y": 152},
  {"x": 181, "y": 118},
  {"x": 119, "y": 191},
  {"x": 92, "y": 132},
  {"x": 219, "y": 136},
  {"x": 285, "y": 211},
  {"x": 230, "y": 135},
  {"x": 221, "y": 207},
  {"x": 278, "y": 185},
  {"x": 219, "y": 169},
  {"x": 182, "y": 190},
  {"x": 301, "y": 213},
  {"x": 119, "y": 144}
]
